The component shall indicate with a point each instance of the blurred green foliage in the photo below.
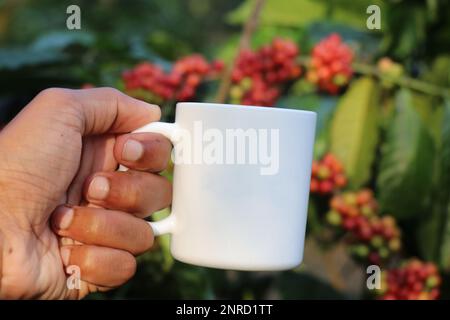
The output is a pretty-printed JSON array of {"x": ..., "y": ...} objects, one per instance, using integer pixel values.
[
  {"x": 395, "y": 140},
  {"x": 354, "y": 133}
]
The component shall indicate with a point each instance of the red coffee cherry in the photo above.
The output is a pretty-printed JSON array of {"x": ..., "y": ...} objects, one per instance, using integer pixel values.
[
  {"x": 327, "y": 175},
  {"x": 372, "y": 239},
  {"x": 414, "y": 280},
  {"x": 330, "y": 66},
  {"x": 150, "y": 82},
  {"x": 257, "y": 76}
]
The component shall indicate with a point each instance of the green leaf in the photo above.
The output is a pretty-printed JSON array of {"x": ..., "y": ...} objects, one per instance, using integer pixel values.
[
  {"x": 14, "y": 58},
  {"x": 439, "y": 74},
  {"x": 428, "y": 235},
  {"x": 445, "y": 150},
  {"x": 434, "y": 229},
  {"x": 301, "y": 12},
  {"x": 61, "y": 40},
  {"x": 228, "y": 50},
  {"x": 406, "y": 168},
  {"x": 324, "y": 106},
  {"x": 352, "y": 12},
  {"x": 444, "y": 187},
  {"x": 444, "y": 252},
  {"x": 281, "y": 12},
  {"x": 262, "y": 36},
  {"x": 407, "y": 28},
  {"x": 354, "y": 130},
  {"x": 430, "y": 111},
  {"x": 46, "y": 49},
  {"x": 265, "y": 34}
]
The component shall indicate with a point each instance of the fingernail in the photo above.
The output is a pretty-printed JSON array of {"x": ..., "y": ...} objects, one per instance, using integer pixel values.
[
  {"x": 64, "y": 241},
  {"x": 132, "y": 150},
  {"x": 99, "y": 188},
  {"x": 63, "y": 217},
  {"x": 65, "y": 255}
]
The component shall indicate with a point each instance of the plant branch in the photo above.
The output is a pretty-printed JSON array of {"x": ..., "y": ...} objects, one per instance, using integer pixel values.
[
  {"x": 404, "y": 81},
  {"x": 244, "y": 43}
]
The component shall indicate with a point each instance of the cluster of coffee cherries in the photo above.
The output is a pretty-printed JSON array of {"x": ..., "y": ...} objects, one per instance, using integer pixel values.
[
  {"x": 331, "y": 64},
  {"x": 415, "y": 280},
  {"x": 372, "y": 238},
  {"x": 390, "y": 72},
  {"x": 327, "y": 175},
  {"x": 179, "y": 84},
  {"x": 257, "y": 76}
]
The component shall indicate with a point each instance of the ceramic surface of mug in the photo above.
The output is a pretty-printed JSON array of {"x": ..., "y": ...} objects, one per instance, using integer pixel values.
[{"x": 240, "y": 185}]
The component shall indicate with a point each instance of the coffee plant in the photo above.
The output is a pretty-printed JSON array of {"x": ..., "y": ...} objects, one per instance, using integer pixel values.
[
  {"x": 259, "y": 77},
  {"x": 331, "y": 64},
  {"x": 327, "y": 175},
  {"x": 414, "y": 280},
  {"x": 380, "y": 175}
]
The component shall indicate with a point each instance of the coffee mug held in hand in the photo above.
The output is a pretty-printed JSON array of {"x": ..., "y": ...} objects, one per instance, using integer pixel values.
[{"x": 240, "y": 185}]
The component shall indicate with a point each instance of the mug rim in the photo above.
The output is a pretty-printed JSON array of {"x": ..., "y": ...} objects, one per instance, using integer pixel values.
[{"x": 252, "y": 107}]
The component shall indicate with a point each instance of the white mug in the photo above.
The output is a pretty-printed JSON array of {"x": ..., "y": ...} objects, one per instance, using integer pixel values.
[{"x": 240, "y": 185}]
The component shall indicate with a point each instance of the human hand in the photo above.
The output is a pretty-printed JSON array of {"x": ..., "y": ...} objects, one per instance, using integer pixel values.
[{"x": 60, "y": 156}]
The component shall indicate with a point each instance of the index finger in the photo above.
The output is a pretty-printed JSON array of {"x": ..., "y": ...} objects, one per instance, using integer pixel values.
[
  {"x": 143, "y": 151},
  {"x": 101, "y": 110}
]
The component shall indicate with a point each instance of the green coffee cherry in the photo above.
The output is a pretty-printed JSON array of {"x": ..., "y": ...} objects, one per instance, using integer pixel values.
[
  {"x": 360, "y": 250},
  {"x": 334, "y": 218},
  {"x": 377, "y": 241}
]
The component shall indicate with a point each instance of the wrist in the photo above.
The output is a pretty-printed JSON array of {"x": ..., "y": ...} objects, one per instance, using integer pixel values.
[
  {"x": 10, "y": 244},
  {"x": 2, "y": 257},
  {"x": 8, "y": 233}
]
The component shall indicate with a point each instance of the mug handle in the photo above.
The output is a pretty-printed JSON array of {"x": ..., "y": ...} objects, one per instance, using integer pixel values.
[{"x": 169, "y": 130}]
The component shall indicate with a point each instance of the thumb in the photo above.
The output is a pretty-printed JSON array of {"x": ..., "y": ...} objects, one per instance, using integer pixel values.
[{"x": 102, "y": 110}]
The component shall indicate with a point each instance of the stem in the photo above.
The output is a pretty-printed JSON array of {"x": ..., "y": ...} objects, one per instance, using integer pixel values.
[
  {"x": 404, "y": 81},
  {"x": 244, "y": 43}
]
